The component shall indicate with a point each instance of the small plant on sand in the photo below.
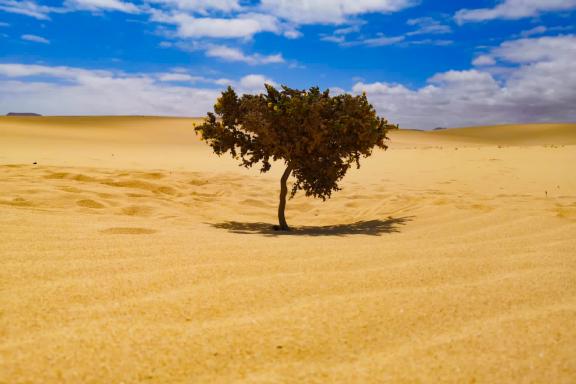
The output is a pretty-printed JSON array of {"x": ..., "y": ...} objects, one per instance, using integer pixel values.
[{"x": 317, "y": 136}]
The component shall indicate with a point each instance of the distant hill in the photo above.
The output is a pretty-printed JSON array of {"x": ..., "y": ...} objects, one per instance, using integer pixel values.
[
  {"x": 510, "y": 134},
  {"x": 22, "y": 114},
  {"x": 514, "y": 134}
]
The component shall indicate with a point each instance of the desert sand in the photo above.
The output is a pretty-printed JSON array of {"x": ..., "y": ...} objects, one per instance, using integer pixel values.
[{"x": 130, "y": 253}]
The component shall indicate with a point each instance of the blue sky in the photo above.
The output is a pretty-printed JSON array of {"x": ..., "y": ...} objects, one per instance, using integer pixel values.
[{"x": 423, "y": 63}]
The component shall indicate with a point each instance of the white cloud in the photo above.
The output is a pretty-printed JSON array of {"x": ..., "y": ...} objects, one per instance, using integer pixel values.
[
  {"x": 42, "y": 12},
  {"x": 179, "y": 77},
  {"x": 534, "y": 31},
  {"x": 224, "y": 81},
  {"x": 428, "y": 26},
  {"x": 473, "y": 82},
  {"x": 101, "y": 5},
  {"x": 27, "y": 8},
  {"x": 347, "y": 30},
  {"x": 196, "y": 19},
  {"x": 335, "y": 91},
  {"x": 378, "y": 41},
  {"x": 229, "y": 19},
  {"x": 243, "y": 26},
  {"x": 339, "y": 39},
  {"x": 234, "y": 54},
  {"x": 329, "y": 11},
  {"x": 514, "y": 9},
  {"x": 425, "y": 26},
  {"x": 538, "y": 84},
  {"x": 254, "y": 83},
  {"x": 437, "y": 42},
  {"x": 226, "y": 53},
  {"x": 292, "y": 34},
  {"x": 21, "y": 70},
  {"x": 86, "y": 92},
  {"x": 525, "y": 51},
  {"x": 339, "y": 35},
  {"x": 35, "y": 39},
  {"x": 201, "y": 6},
  {"x": 77, "y": 91},
  {"x": 483, "y": 60}
]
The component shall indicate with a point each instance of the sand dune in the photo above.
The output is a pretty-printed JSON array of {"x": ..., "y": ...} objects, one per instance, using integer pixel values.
[
  {"x": 503, "y": 135},
  {"x": 132, "y": 254}
]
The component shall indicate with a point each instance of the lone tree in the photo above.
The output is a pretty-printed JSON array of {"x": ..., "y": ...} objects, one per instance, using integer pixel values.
[{"x": 317, "y": 136}]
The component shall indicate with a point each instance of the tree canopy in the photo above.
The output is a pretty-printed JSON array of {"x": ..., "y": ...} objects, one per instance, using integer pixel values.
[{"x": 318, "y": 136}]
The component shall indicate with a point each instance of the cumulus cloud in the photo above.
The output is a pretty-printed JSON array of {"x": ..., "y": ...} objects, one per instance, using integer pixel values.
[
  {"x": 29, "y": 70},
  {"x": 292, "y": 33},
  {"x": 429, "y": 42},
  {"x": 534, "y": 31},
  {"x": 64, "y": 90},
  {"x": 224, "y": 82},
  {"x": 226, "y": 53},
  {"x": 243, "y": 26},
  {"x": 423, "y": 25},
  {"x": 35, "y": 39},
  {"x": 278, "y": 16},
  {"x": 101, "y": 5},
  {"x": 537, "y": 85},
  {"x": 348, "y": 30},
  {"x": 254, "y": 83},
  {"x": 42, "y": 12},
  {"x": 329, "y": 11},
  {"x": 80, "y": 91},
  {"x": 428, "y": 26},
  {"x": 382, "y": 40},
  {"x": 377, "y": 41},
  {"x": 200, "y": 6},
  {"x": 234, "y": 54},
  {"x": 27, "y": 8},
  {"x": 483, "y": 60},
  {"x": 544, "y": 49},
  {"x": 179, "y": 77},
  {"x": 513, "y": 9}
]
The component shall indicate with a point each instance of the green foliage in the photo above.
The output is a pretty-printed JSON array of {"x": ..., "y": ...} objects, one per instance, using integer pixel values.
[{"x": 319, "y": 136}]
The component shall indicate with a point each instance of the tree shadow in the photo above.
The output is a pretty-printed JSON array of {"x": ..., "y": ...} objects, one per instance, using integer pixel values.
[{"x": 363, "y": 227}]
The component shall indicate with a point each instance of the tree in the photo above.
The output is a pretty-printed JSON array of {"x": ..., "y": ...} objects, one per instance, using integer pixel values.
[{"x": 317, "y": 136}]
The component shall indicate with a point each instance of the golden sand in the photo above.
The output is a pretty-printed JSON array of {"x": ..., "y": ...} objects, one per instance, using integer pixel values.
[{"x": 130, "y": 253}]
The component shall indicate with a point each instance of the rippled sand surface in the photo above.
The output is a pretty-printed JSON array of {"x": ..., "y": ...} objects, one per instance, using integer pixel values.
[{"x": 129, "y": 253}]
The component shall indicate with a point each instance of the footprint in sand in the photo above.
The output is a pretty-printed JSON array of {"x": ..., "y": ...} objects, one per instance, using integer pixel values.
[{"x": 128, "y": 231}]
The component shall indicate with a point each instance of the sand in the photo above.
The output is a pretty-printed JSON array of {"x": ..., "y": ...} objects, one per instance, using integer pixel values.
[{"x": 129, "y": 253}]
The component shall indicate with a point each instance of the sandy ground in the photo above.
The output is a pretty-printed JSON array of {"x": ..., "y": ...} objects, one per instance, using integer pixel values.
[{"x": 129, "y": 253}]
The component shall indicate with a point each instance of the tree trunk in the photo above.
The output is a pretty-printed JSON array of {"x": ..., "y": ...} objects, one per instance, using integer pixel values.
[{"x": 283, "y": 226}]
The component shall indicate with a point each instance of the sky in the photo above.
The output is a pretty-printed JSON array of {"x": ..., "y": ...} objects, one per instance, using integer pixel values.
[{"x": 423, "y": 63}]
